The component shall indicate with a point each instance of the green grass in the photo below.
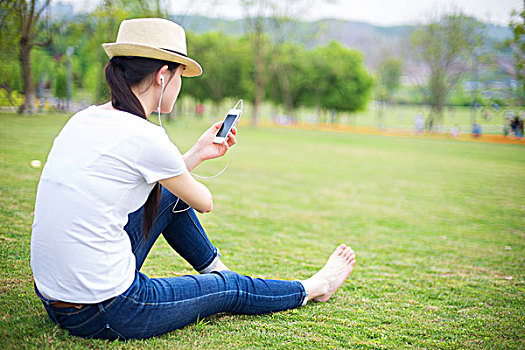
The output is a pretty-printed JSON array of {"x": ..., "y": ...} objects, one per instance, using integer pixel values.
[{"x": 430, "y": 222}]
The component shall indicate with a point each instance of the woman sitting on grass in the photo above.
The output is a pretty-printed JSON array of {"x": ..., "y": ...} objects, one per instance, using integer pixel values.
[{"x": 111, "y": 186}]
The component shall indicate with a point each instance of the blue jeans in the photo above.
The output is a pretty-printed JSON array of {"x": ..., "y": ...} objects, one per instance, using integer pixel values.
[{"x": 159, "y": 305}]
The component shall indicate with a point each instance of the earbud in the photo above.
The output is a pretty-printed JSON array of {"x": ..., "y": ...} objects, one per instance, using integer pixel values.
[{"x": 162, "y": 80}]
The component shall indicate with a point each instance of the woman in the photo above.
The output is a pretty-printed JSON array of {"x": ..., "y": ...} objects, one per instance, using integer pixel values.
[{"x": 99, "y": 209}]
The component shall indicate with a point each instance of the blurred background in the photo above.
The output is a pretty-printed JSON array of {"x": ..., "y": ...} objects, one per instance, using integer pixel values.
[{"x": 405, "y": 66}]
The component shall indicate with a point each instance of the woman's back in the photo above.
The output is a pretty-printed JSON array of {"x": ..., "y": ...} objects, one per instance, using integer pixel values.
[{"x": 102, "y": 166}]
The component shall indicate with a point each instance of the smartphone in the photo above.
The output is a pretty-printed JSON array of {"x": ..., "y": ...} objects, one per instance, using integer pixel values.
[{"x": 232, "y": 118}]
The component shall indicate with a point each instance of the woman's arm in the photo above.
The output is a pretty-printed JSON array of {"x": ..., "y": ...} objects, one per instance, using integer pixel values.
[
  {"x": 205, "y": 149},
  {"x": 184, "y": 186},
  {"x": 193, "y": 193}
]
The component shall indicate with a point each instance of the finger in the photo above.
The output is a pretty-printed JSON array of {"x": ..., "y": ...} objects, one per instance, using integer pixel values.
[
  {"x": 234, "y": 130},
  {"x": 232, "y": 140},
  {"x": 216, "y": 126}
]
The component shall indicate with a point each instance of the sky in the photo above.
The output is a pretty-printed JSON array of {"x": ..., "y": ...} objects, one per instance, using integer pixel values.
[{"x": 379, "y": 12}]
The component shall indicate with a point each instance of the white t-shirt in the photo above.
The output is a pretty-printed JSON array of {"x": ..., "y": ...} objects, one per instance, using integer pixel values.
[{"x": 102, "y": 166}]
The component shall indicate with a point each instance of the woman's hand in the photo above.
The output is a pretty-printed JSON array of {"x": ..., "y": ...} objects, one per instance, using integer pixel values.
[
  {"x": 209, "y": 150},
  {"x": 205, "y": 149}
]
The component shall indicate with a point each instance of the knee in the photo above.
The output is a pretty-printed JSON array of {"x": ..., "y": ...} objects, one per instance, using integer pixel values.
[{"x": 235, "y": 282}]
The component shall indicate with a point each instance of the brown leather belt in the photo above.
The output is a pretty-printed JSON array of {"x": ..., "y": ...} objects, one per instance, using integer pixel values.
[
  {"x": 63, "y": 304},
  {"x": 59, "y": 304}
]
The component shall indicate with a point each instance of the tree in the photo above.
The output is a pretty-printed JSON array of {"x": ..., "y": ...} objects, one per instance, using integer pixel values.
[
  {"x": 23, "y": 19},
  {"x": 517, "y": 45},
  {"x": 388, "y": 79},
  {"x": 60, "y": 88},
  {"x": 255, "y": 10},
  {"x": 287, "y": 76},
  {"x": 263, "y": 17},
  {"x": 445, "y": 46},
  {"x": 389, "y": 75},
  {"x": 226, "y": 67},
  {"x": 337, "y": 80}
]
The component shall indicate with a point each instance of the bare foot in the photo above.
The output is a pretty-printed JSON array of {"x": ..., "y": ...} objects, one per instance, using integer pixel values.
[{"x": 324, "y": 283}]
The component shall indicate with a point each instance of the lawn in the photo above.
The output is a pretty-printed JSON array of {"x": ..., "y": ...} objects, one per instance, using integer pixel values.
[{"x": 438, "y": 227}]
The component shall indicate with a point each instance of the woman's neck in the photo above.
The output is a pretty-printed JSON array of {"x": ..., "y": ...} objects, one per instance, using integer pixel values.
[
  {"x": 146, "y": 99},
  {"x": 148, "y": 108}
]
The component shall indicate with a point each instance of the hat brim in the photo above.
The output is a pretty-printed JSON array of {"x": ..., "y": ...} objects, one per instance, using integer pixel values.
[{"x": 192, "y": 68}]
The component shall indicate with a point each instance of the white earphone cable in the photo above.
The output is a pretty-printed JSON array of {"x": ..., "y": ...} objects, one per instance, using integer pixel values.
[{"x": 160, "y": 99}]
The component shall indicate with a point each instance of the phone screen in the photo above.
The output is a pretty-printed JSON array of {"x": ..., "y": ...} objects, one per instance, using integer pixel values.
[{"x": 226, "y": 126}]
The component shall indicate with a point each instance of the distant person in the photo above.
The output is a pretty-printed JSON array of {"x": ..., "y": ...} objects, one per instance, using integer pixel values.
[
  {"x": 454, "y": 131},
  {"x": 476, "y": 130},
  {"x": 41, "y": 103},
  {"x": 513, "y": 121},
  {"x": 199, "y": 109},
  {"x": 430, "y": 124},
  {"x": 519, "y": 127},
  {"x": 506, "y": 127},
  {"x": 111, "y": 185},
  {"x": 419, "y": 123}
]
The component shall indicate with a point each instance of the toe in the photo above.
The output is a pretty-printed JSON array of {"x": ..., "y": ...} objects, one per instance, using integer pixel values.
[{"x": 348, "y": 253}]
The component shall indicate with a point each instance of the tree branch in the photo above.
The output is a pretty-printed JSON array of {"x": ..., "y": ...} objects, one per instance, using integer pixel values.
[
  {"x": 39, "y": 12},
  {"x": 22, "y": 8},
  {"x": 43, "y": 43}
]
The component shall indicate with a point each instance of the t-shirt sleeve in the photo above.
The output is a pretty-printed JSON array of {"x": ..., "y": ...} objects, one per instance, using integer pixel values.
[{"x": 160, "y": 158}]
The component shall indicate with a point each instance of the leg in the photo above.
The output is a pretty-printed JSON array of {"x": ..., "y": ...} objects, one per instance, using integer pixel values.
[
  {"x": 182, "y": 231},
  {"x": 154, "y": 306}
]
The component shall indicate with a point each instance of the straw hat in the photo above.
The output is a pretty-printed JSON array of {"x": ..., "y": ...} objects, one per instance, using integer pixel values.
[{"x": 154, "y": 38}]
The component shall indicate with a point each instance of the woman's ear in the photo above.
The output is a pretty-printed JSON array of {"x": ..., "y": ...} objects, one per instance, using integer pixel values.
[{"x": 162, "y": 72}]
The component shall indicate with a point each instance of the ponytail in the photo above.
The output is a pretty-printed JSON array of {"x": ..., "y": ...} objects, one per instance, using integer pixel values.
[
  {"x": 121, "y": 74},
  {"x": 122, "y": 97}
]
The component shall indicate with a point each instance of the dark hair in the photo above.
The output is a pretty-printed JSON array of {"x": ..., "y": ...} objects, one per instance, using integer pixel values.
[{"x": 122, "y": 73}]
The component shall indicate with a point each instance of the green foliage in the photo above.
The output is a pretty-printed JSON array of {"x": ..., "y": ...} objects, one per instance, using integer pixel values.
[
  {"x": 10, "y": 98},
  {"x": 60, "y": 88},
  {"x": 288, "y": 76},
  {"x": 330, "y": 77},
  {"x": 337, "y": 79},
  {"x": 91, "y": 78},
  {"x": 41, "y": 63},
  {"x": 291, "y": 76},
  {"x": 517, "y": 44},
  {"x": 10, "y": 75},
  {"x": 226, "y": 67},
  {"x": 389, "y": 75},
  {"x": 445, "y": 46},
  {"x": 460, "y": 98}
]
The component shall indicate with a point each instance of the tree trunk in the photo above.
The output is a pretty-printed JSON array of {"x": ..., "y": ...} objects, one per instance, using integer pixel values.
[
  {"x": 380, "y": 113},
  {"x": 29, "y": 88},
  {"x": 258, "y": 45},
  {"x": 288, "y": 102},
  {"x": 436, "y": 114},
  {"x": 259, "y": 82}
]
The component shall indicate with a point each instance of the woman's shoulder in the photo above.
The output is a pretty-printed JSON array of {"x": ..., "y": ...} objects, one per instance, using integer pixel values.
[{"x": 124, "y": 120}]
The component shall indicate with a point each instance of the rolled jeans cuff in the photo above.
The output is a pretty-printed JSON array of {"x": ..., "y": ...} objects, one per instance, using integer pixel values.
[
  {"x": 212, "y": 265},
  {"x": 305, "y": 300}
]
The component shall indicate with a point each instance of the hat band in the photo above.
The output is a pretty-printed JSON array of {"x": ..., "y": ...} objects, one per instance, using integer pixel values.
[{"x": 178, "y": 53}]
